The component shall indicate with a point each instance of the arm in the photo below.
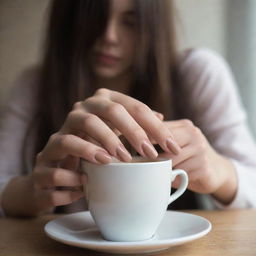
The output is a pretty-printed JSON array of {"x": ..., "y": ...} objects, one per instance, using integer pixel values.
[
  {"x": 15, "y": 119},
  {"x": 54, "y": 180},
  {"x": 18, "y": 194},
  {"x": 214, "y": 106}
]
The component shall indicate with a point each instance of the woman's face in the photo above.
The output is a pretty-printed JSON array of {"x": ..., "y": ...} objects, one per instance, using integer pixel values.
[{"x": 113, "y": 53}]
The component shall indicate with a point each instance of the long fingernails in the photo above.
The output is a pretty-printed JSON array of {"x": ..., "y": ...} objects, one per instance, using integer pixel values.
[
  {"x": 149, "y": 150},
  {"x": 123, "y": 154},
  {"x": 172, "y": 146},
  {"x": 102, "y": 158}
]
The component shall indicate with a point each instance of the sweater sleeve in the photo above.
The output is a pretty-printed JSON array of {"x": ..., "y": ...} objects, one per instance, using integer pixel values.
[
  {"x": 15, "y": 119},
  {"x": 213, "y": 104}
]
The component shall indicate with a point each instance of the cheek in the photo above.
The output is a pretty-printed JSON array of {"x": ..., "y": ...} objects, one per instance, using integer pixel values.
[
  {"x": 129, "y": 46},
  {"x": 129, "y": 56}
]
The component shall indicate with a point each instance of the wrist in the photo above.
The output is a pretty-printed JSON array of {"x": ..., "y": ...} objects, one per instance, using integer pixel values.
[
  {"x": 18, "y": 197},
  {"x": 226, "y": 192}
]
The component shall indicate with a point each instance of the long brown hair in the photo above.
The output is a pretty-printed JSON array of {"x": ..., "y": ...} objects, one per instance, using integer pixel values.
[{"x": 72, "y": 30}]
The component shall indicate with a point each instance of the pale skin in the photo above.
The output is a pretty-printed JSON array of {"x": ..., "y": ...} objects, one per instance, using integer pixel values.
[{"x": 92, "y": 131}]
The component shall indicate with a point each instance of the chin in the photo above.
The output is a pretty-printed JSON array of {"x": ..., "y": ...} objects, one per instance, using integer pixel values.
[{"x": 106, "y": 73}]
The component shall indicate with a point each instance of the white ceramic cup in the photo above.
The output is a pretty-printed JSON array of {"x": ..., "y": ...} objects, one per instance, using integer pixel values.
[{"x": 128, "y": 200}]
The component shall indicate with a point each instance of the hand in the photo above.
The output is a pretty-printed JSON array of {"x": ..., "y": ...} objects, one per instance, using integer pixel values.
[
  {"x": 208, "y": 171},
  {"x": 91, "y": 131},
  {"x": 54, "y": 185},
  {"x": 94, "y": 126}
]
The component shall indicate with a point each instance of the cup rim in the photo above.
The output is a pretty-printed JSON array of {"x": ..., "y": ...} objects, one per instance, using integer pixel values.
[{"x": 150, "y": 162}]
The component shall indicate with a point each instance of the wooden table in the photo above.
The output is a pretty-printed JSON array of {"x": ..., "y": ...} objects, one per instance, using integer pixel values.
[{"x": 233, "y": 233}]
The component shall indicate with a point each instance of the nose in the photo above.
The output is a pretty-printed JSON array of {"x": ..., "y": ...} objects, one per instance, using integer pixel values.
[{"x": 111, "y": 32}]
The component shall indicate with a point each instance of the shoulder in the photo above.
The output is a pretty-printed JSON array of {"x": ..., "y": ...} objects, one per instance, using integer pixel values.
[
  {"x": 204, "y": 70},
  {"x": 211, "y": 96},
  {"x": 199, "y": 60},
  {"x": 26, "y": 83},
  {"x": 29, "y": 77},
  {"x": 22, "y": 94}
]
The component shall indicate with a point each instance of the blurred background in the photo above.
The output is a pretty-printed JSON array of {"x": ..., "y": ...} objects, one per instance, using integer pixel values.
[{"x": 225, "y": 26}]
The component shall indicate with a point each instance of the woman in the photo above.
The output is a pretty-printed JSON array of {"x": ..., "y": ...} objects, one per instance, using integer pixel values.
[{"x": 110, "y": 69}]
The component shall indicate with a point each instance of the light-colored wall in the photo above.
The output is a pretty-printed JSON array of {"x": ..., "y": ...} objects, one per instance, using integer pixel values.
[
  {"x": 241, "y": 52},
  {"x": 20, "y": 35},
  {"x": 202, "y": 24}
]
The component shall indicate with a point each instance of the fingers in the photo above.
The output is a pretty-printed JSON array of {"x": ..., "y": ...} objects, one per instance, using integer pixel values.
[
  {"x": 93, "y": 126},
  {"x": 160, "y": 116},
  {"x": 148, "y": 121},
  {"x": 51, "y": 198},
  {"x": 46, "y": 178},
  {"x": 186, "y": 153},
  {"x": 112, "y": 127},
  {"x": 70, "y": 163},
  {"x": 103, "y": 119},
  {"x": 60, "y": 146},
  {"x": 124, "y": 122},
  {"x": 179, "y": 123},
  {"x": 186, "y": 160},
  {"x": 46, "y": 182},
  {"x": 184, "y": 131},
  {"x": 195, "y": 175},
  {"x": 134, "y": 124}
]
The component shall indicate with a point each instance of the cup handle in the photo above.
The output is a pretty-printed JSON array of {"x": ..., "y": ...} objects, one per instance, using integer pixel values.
[{"x": 182, "y": 187}]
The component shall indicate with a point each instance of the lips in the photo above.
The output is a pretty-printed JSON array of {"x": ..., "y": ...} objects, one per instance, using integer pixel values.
[{"x": 106, "y": 59}]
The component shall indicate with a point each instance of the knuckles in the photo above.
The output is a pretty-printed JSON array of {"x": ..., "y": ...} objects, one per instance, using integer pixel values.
[
  {"x": 140, "y": 108},
  {"x": 77, "y": 105},
  {"x": 39, "y": 157},
  {"x": 114, "y": 108},
  {"x": 193, "y": 130},
  {"x": 88, "y": 100},
  {"x": 64, "y": 140},
  {"x": 72, "y": 115},
  {"x": 102, "y": 91},
  {"x": 53, "y": 138},
  {"x": 187, "y": 123},
  {"x": 201, "y": 146},
  {"x": 196, "y": 131},
  {"x": 89, "y": 119}
]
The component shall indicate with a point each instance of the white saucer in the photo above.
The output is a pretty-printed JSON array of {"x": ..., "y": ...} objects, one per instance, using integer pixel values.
[{"x": 79, "y": 229}]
